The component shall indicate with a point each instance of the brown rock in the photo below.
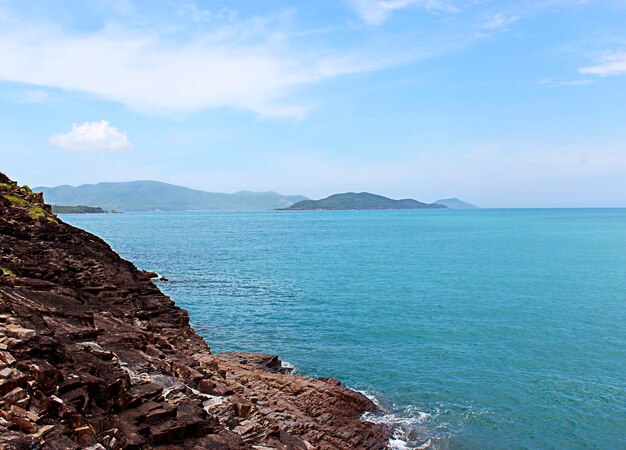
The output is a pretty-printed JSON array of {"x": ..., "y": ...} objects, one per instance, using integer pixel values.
[
  {"x": 159, "y": 415},
  {"x": 6, "y": 358},
  {"x": 24, "y": 424},
  {"x": 85, "y": 435},
  {"x": 43, "y": 431},
  {"x": 61, "y": 443},
  {"x": 15, "y": 395},
  {"x": 150, "y": 274},
  {"x": 19, "y": 332},
  {"x": 15, "y": 440}
]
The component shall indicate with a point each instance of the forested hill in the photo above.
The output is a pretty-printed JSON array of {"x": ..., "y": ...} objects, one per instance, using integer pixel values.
[
  {"x": 362, "y": 200},
  {"x": 154, "y": 195}
]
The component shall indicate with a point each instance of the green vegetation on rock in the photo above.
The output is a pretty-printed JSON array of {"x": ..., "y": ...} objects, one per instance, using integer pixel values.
[
  {"x": 15, "y": 200},
  {"x": 22, "y": 200},
  {"x": 37, "y": 212}
]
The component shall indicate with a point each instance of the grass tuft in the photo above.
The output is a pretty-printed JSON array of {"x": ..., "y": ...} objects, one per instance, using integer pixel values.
[
  {"x": 15, "y": 200},
  {"x": 37, "y": 212}
]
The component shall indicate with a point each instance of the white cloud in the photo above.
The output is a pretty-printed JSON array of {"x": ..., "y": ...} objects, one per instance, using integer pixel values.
[
  {"x": 610, "y": 63},
  {"x": 201, "y": 59},
  {"x": 249, "y": 65},
  {"x": 92, "y": 136},
  {"x": 375, "y": 12},
  {"x": 35, "y": 96}
]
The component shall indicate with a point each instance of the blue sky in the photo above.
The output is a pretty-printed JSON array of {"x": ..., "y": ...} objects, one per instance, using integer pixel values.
[{"x": 515, "y": 104}]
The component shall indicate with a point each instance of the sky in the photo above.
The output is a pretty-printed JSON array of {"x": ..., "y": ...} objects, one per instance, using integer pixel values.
[{"x": 499, "y": 103}]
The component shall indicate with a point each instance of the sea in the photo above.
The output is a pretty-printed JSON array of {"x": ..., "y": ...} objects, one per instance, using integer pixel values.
[{"x": 472, "y": 329}]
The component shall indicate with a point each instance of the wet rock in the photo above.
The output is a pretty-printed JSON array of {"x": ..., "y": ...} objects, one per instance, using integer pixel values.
[{"x": 150, "y": 274}]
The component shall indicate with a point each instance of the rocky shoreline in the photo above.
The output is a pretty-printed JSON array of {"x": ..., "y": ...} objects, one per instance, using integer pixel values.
[{"x": 93, "y": 355}]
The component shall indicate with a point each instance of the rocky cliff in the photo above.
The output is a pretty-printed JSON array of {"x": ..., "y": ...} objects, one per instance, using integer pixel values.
[{"x": 93, "y": 355}]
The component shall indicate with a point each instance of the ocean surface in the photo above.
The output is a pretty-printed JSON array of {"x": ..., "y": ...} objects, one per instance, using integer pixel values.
[{"x": 483, "y": 329}]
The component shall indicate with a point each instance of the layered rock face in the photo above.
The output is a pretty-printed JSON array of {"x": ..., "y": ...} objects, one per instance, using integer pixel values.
[{"x": 93, "y": 355}]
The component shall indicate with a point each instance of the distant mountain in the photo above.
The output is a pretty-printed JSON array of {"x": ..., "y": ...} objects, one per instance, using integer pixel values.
[
  {"x": 455, "y": 203},
  {"x": 154, "y": 195},
  {"x": 363, "y": 200}
]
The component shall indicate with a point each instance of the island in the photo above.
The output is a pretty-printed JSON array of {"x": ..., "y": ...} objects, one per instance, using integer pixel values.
[
  {"x": 94, "y": 356},
  {"x": 359, "y": 201},
  {"x": 79, "y": 209},
  {"x": 455, "y": 203}
]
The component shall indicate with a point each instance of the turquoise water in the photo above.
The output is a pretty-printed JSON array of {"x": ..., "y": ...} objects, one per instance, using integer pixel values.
[{"x": 501, "y": 329}]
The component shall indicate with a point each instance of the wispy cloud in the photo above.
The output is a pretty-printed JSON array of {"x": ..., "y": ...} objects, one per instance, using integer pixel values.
[
  {"x": 202, "y": 59},
  {"x": 564, "y": 83},
  {"x": 608, "y": 64},
  {"x": 35, "y": 96},
  {"x": 199, "y": 14},
  {"x": 375, "y": 12},
  {"x": 250, "y": 65},
  {"x": 576, "y": 82},
  {"x": 92, "y": 136},
  {"x": 499, "y": 21}
]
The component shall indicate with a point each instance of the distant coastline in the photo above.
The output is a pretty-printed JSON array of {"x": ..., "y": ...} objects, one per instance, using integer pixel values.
[
  {"x": 79, "y": 209},
  {"x": 157, "y": 196}
]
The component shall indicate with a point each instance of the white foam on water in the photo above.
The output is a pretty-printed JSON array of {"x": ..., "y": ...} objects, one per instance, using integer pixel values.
[
  {"x": 403, "y": 425},
  {"x": 397, "y": 444},
  {"x": 369, "y": 395},
  {"x": 287, "y": 367},
  {"x": 397, "y": 420}
]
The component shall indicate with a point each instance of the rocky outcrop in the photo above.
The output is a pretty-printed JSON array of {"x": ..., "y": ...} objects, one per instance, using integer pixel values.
[{"x": 93, "y": 355}]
